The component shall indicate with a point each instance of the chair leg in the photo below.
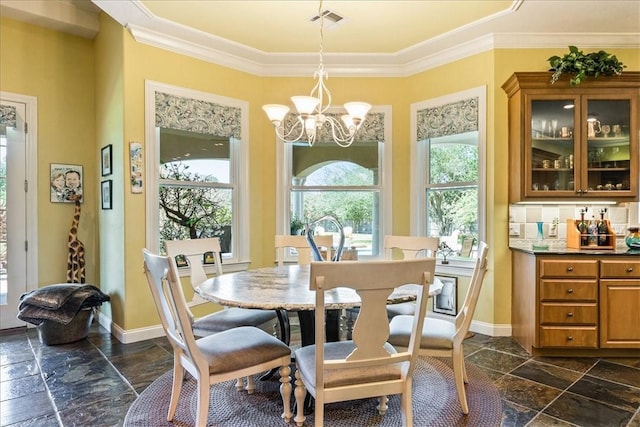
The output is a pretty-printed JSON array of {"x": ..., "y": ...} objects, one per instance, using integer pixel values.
[
  {"x": 251, "y": 385},
  {"x": 459, "y": 373},
  {"x": 285, "y": 392},
  {"x": 300, "y": 392},
  {"x": 240, "y": 384},
  {"x": 406, "y": 405},
  {"x": 202, "y": 405},
  {"x": 178, "y": 377},
  {"x": 382, "y": 405}
]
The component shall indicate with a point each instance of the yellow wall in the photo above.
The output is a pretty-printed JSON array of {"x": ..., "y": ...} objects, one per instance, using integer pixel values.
[
  {"x": 122, "y": 66},
  {"x": 57, "y": 69}
]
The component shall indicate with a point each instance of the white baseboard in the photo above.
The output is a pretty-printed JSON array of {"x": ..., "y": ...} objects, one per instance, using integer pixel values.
[
  {"x": 493, "y": 330},
  {"x": 131, "y": 335}
]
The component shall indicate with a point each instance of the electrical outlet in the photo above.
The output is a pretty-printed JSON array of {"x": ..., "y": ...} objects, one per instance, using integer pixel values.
[
  {"x": 553, "y": 232},
  {"x": 514, "y": 229}
]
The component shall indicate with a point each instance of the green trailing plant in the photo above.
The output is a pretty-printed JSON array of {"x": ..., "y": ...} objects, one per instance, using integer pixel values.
[{"x": 582, "y": 65}]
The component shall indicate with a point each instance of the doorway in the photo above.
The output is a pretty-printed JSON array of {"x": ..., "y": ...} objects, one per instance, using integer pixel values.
[{"x": 18, "y": 210}]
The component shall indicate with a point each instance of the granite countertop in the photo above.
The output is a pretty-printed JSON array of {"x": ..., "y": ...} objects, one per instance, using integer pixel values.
[{"x": 568, "y": 251}]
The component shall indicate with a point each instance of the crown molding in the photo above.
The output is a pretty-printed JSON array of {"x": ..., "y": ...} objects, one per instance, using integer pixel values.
[{"x": 445, "y": 48}]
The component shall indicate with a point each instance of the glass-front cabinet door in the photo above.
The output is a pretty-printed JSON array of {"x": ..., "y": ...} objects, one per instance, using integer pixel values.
[
  {"x": 553, "y": 151},
  {"x": 580, "y": 146},
  {"x": 608, "y": 145}
]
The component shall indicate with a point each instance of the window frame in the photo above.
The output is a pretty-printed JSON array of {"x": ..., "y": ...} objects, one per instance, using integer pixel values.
[
  {"x": 419, "y": 170},
  {"x": 284, "y": 181},
  {"x": 239, "y": 171}
]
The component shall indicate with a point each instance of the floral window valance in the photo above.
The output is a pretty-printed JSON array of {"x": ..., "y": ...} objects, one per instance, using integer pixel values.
[
  {"x": 198, "y": 116},
  {"x": 448, "y": 119},
  {"x": 8, "y": 116},
  {"x": 372, "y": 129}
]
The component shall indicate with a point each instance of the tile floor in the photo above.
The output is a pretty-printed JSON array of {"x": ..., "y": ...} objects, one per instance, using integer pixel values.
[{"x": 92, "y": 382}]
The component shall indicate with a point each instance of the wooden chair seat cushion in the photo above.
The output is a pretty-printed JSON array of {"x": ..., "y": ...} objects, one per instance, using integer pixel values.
[
  {"x": 230, "y": 318},
  {"x": 437, "y": 334},
  {"x": 306, "y": 361},
  {"x": 240, "y": 348}
]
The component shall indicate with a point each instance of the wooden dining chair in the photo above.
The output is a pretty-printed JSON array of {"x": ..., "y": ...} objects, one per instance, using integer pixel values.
[
  {"x": 400, "y": 247},
  {"x": 442, "y": 338},
  {"x": 283, "y": 242},
  {"x": 366, "y": 366},
  {"x": 219, "y": 357},
  {"x": 408, "y": 247},
  {"x": 194, "y": 251}
]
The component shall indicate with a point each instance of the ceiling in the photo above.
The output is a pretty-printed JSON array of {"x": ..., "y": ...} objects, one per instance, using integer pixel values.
[{"x": 376, "y": 38}]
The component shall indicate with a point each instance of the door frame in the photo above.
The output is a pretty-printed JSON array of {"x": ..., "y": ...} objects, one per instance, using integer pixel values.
[{"x": 31, "y": 176}]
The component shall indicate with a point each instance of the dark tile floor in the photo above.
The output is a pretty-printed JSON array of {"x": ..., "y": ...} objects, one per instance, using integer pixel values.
[{"x": 92, "y": 382}]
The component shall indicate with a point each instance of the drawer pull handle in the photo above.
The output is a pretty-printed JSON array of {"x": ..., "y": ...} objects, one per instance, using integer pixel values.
[
  {"x": 629, "y": 269},
  {"x": 569, "y": 269},
  {"x": 569, "y": 338},
  {"x": 570, "y": 291},
  {"x": 569, "y": 314}
]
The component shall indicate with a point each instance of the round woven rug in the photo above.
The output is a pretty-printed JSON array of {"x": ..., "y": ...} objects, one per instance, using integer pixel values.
[{"x": 435, "y": 403}]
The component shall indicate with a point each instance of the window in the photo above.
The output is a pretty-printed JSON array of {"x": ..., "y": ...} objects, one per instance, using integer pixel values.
[
  {"x": 195, "y": 191},
  {"x": 347, "y": 183},
  {"x": 448, "y": 171}
]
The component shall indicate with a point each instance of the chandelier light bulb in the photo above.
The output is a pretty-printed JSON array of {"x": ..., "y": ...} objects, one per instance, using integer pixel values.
[{"x": 305, "y": 105}]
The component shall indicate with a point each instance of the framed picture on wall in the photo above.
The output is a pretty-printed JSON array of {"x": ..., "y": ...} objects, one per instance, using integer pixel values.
[
  {"x": 106, "y": 193},
  {"x": 106, "y": 160},
  {"x": 447, "y": 301},
  {"x": 65, "y": 183}
]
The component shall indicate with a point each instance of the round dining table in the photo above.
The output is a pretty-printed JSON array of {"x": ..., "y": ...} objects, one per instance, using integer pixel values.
[{"x": 285, "y": 289}]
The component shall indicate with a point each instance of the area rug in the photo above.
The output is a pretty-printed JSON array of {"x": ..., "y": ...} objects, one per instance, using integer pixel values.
[{"x": 435, "y": 403}]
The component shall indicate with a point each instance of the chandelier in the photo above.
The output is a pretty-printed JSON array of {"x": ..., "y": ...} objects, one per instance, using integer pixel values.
[{"x": 311, "y": 109}]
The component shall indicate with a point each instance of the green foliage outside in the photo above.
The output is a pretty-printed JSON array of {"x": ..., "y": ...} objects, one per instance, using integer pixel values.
[{"x": 192, "y": 212}]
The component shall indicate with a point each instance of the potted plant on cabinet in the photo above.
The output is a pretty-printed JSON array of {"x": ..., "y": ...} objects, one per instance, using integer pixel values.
[{"x": 583, "y": 65}]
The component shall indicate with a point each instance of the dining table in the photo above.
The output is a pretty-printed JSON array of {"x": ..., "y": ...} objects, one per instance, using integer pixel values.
[{"x": 286, "y": 288}]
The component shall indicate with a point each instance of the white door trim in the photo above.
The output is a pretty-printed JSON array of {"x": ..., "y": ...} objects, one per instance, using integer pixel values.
[{"x": 31, "y": 174}]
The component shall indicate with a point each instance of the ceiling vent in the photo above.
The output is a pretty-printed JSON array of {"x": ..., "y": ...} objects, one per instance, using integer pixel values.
[{"x": 331, "y": 19}]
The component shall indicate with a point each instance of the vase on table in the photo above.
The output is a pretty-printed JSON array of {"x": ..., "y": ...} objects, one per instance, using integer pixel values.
[{"x": 633, "y": 238}]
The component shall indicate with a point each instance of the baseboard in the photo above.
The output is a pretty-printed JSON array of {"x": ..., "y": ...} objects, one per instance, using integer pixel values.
[
  {"x": 131, "y": 335},
  {"x": 493, "y": 330}
]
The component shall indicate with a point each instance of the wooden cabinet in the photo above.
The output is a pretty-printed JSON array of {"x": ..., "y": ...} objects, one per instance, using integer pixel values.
[
  {"x": 620, "y": 303},
  {"x": 568, "y": 306},
  {"x": 573, "y": 142},
  {"x": 571, "y": 304}
]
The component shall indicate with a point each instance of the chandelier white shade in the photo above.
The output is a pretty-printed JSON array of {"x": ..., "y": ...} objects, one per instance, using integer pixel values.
[{"x": 311, "y": 110}]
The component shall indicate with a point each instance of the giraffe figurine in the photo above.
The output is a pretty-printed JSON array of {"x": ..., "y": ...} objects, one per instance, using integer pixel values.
[{"x": 75, "y": 258}]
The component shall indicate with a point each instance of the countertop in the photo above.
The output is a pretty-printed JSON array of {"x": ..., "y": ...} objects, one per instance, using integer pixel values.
[{"x": 569, "y": 251}]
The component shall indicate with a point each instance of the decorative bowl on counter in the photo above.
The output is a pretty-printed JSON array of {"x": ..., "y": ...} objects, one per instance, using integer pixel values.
[{"x": 633, "y": 238}]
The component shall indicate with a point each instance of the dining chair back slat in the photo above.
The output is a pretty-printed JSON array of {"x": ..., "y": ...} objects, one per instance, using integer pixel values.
[{"x": 300, "y": 244}]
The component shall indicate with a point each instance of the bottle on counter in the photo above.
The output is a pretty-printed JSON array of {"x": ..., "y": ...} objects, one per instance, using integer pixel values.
[
  {"x": 603, "y": 230},
  {"x": 582, "y": 228},
  {"x": 592, "y": 231}
]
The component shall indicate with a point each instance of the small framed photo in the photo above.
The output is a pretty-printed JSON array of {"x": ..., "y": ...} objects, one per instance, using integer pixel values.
[
  {"x": 181, "y": 261},
  {"x": 106, "y": 193},
  {"x": 208, "y": 258},
  {"x": 446, "y": 302},
  {"x": 65, "y": 183},
  {"x": 106, "y": 160}
]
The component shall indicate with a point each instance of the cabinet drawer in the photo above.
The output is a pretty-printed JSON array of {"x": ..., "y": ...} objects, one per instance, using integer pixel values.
[
  {"x": 565, "y": 290},
  {"x": 552, "y": 336},
  {"x": 620, "y": 269},
  {"x": 569, "y": 314},
  {"x": 568, "y": 268}
]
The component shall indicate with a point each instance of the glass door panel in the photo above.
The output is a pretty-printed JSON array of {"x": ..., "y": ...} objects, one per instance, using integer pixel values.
[
  {"x": 553, "y": 148},
  {"x": 608, "y": 145}
]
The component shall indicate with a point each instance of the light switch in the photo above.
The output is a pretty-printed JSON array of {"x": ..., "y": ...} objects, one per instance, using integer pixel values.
[{"x": 514, "y": 229}]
